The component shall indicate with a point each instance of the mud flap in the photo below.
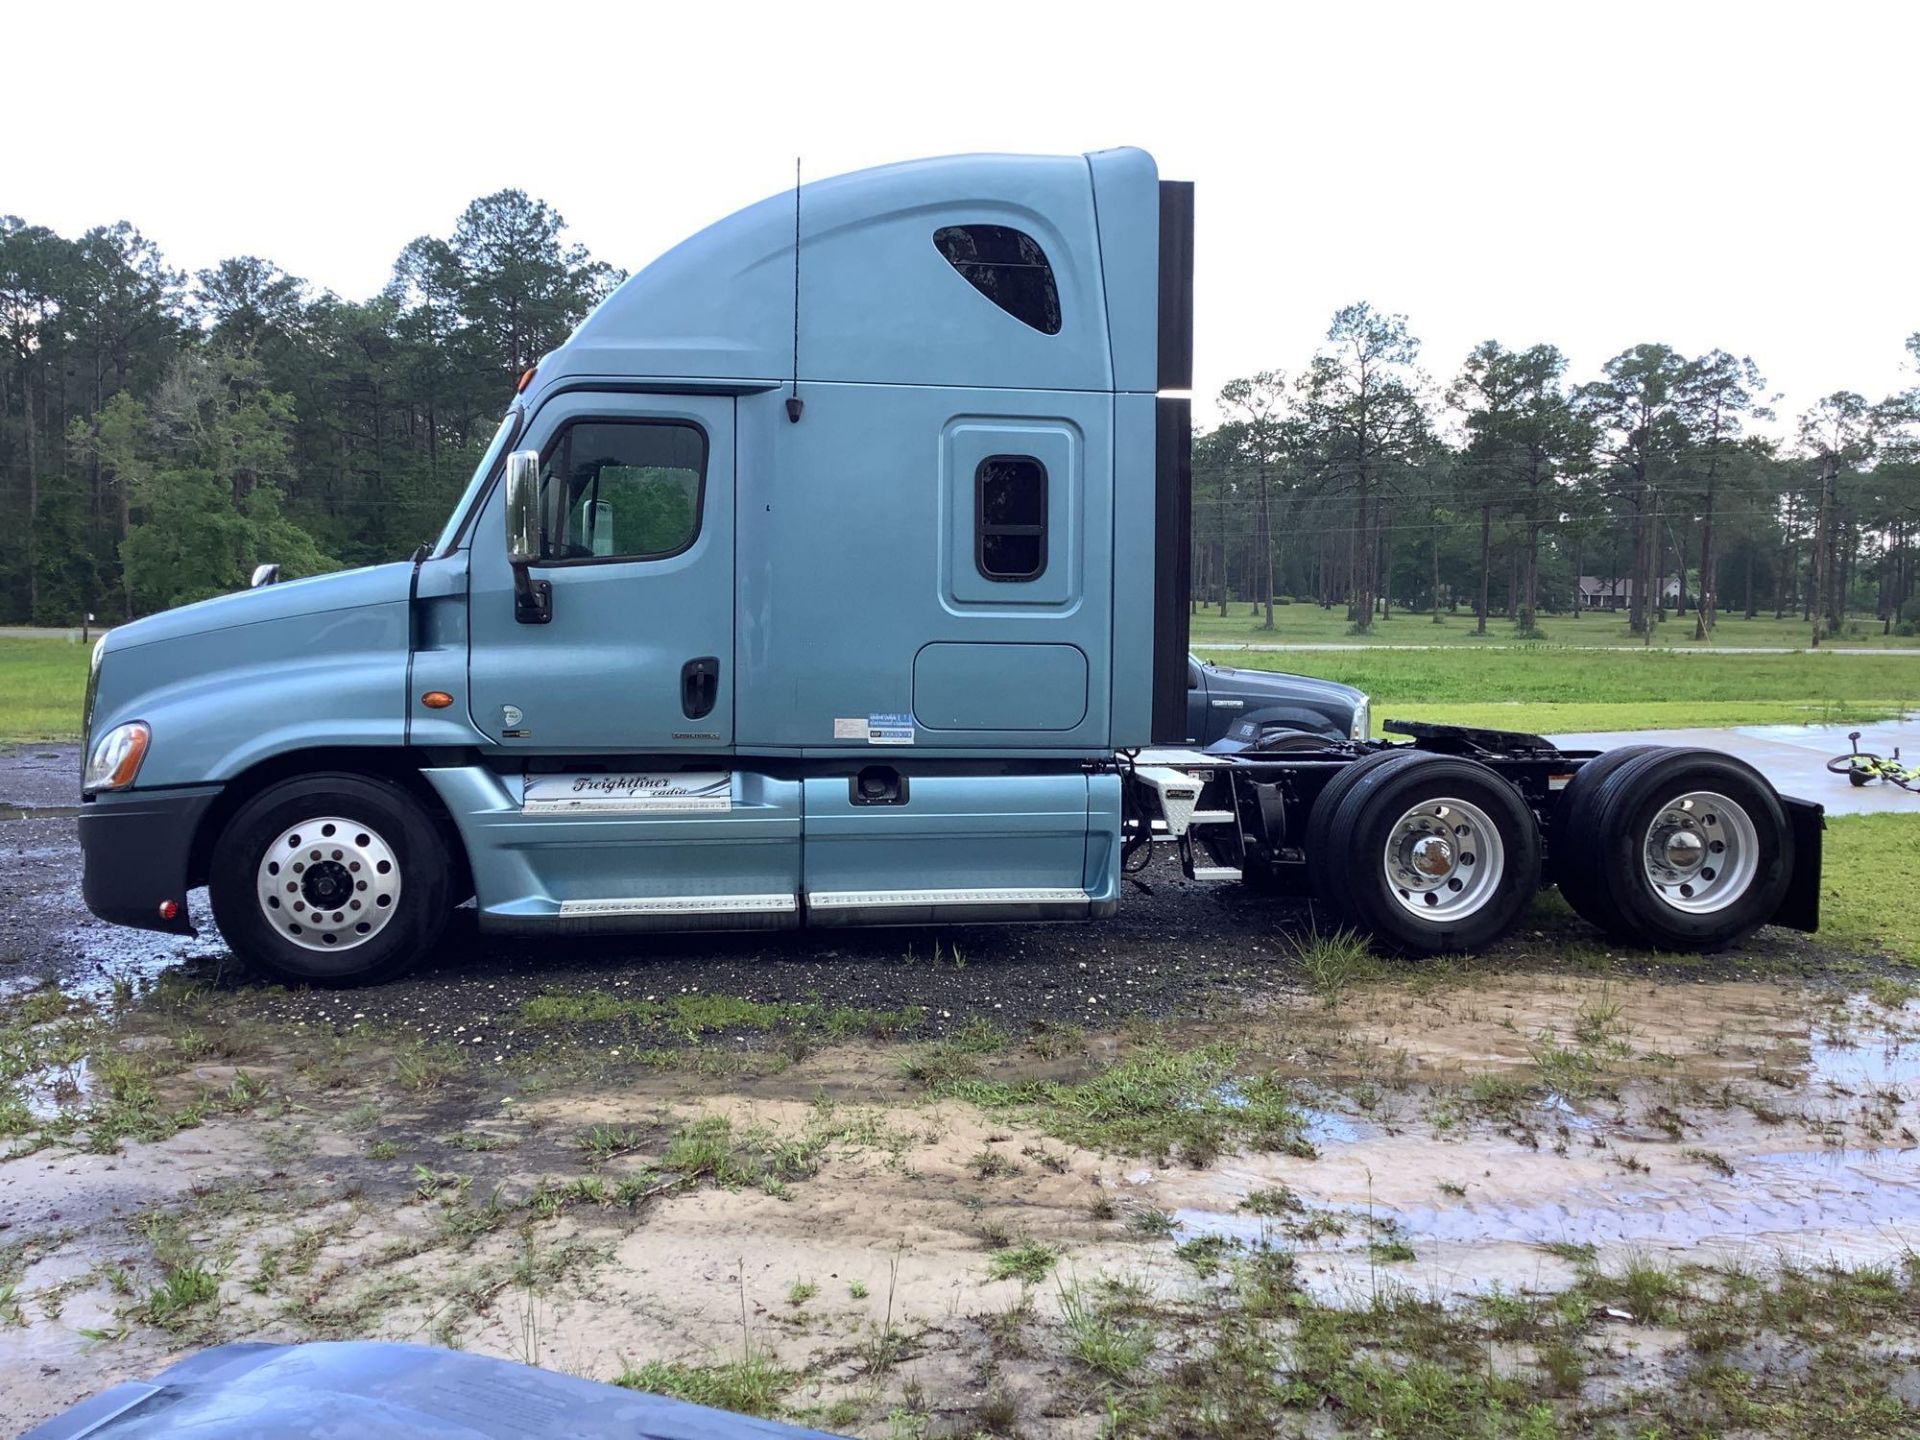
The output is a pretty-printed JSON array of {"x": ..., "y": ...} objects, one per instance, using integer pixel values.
[{"x": 1800, "y": 906}]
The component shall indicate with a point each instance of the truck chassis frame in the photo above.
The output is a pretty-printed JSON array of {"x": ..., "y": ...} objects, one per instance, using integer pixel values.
[{"x": 1251, "y": 817}]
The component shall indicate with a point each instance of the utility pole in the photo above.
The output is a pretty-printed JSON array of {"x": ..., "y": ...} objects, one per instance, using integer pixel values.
[{"x": 1829, "y": 468}]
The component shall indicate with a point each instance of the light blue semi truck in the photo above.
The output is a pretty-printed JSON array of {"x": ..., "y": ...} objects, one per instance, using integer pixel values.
[{"x": 834, "y": 573}]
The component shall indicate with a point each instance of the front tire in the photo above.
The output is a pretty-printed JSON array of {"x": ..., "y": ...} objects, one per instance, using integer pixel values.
[{"x": 331, "y": 879}]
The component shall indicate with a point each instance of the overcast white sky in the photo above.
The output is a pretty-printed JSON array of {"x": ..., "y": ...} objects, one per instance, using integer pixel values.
[{"x": 1740, "y": 175}]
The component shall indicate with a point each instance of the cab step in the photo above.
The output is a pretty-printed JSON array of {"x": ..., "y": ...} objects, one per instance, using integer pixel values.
[{"x": 1215, "y": 872}]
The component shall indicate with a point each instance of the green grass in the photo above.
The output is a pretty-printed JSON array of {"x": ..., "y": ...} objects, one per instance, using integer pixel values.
[
  {"x": 1305, "y": 624},
  {"x": 1551, "y": 689},
  {"x": 1866, "y": 887},
  {"x": 751, "y": 1385},
  {"x": 1157, "y": 1101},
  {"x": 42, "y": 685},
  {"x": 1028, "y": 1262}
]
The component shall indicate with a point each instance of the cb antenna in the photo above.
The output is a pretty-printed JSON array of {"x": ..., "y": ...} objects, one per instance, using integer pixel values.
[{"x": 794, "y": 403}]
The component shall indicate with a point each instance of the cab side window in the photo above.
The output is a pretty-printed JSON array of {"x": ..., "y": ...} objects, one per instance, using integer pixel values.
[
  {"x": 1008, "y": 267},
  {"x": 622, "y": 490},
  {"x": 1010, "y": 517}
]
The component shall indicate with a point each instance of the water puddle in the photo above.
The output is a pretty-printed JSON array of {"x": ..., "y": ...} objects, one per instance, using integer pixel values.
[
  {"x": 1563, "y": 1112},
  {"x": 1793, "y": 1175},
  {"x": 1871, "y": 1049},
  {"x": 57, "y": 1089}
]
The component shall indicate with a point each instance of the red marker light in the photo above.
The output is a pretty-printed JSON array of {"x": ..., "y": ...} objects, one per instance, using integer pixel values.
[{"x": 169, "y": 909}]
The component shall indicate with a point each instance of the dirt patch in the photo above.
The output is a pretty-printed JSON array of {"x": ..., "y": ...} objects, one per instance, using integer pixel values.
[{"x": 944, "y": 1231}]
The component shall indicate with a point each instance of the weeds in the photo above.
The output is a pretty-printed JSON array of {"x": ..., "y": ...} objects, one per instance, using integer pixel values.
[
  {"x": 1158, "y": 1101},
  {"x": 751, "y": 1385},
  {"x": 1273, "y": 1200},
  {"x": 992, "y": 1165},
  {"x": 183, "y": 1288},
  {"x": 1099, "y": 1339},
  {"x": 1029, "y": 1263},
  {"x": 1152, "y": 1223},
  {"x": 1335, "y": 962},
  {"x": 426, "y": 1067},
  {"x": 608, "y": 1142}
]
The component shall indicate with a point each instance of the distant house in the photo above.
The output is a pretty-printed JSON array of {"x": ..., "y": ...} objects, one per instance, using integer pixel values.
[{"x": 1616, "y": 593}]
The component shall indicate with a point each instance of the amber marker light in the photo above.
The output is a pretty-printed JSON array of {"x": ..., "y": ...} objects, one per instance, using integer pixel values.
[
  {"x": 436, "y": 699},
  {"x": 526, "y": 379}
]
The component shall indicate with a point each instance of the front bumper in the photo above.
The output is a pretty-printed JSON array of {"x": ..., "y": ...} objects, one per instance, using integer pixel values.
[{"x": 136, "y": 847}]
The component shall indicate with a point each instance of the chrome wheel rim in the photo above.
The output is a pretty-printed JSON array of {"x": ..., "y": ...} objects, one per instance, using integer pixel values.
[
  {"x": 1701, "y": 852},
  {"x": 1444, "y": 859},
  {"x": 329, "y": 883}
]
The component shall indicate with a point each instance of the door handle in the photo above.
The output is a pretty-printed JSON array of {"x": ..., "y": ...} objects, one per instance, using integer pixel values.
[{"x": 699, "y": 686}]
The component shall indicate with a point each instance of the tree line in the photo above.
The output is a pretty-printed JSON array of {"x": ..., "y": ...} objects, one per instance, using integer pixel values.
[
  {"x": 1361, "y": 482},
  {"x": 160, "y": 433}
]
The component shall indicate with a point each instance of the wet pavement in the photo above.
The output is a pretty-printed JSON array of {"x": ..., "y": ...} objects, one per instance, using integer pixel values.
[
  {"x": 1794, "y": 757},
  {"x": 40, "y": 780}
]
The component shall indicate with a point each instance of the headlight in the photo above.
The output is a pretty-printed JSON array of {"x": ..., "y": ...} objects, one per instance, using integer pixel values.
[
  {"x": 115, "y": 758},
  {"x": 1362, "y": 719}
]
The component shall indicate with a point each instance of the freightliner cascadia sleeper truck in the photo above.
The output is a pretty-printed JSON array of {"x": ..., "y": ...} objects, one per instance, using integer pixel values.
[{"x": 834, "y": 573}]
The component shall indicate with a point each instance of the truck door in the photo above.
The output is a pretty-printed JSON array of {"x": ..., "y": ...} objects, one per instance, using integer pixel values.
[{"x": 637, "y": 653}]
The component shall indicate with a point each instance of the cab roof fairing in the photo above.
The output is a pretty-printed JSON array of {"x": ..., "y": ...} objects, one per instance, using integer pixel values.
[{"x": 878, "y": 302}]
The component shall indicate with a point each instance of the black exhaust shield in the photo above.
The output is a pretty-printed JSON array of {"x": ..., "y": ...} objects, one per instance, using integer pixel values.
[{"x": 1173, "y": 466}]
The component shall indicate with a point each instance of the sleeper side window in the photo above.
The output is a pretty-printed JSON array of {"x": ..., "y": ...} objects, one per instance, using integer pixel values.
[
  {"x": 622, "y": 490},
  {"x": 1008, "y": 267},
  {"x": 1010, "y": 517}
]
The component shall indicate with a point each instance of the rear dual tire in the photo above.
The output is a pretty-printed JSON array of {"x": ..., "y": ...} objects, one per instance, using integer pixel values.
[
  {"x": 1672, "y": 849},
  {"x": 1428, "y": 853}
]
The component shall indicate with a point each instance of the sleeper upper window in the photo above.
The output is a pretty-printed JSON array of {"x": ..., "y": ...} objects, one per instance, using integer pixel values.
[
  {"x": 1008, "y": 267},
  {"x": 1010, "y": 517},
  {"x": 622, "y": 490}
]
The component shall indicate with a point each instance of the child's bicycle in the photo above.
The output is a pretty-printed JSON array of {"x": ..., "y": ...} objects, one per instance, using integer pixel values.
[{"x": 1863, "y": 767}]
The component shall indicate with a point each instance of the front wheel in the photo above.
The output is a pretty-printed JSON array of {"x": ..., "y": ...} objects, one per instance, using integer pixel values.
[{"x": 330, "y": 879}]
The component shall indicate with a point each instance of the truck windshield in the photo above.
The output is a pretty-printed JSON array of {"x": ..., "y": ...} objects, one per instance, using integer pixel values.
[{"x": 502, "y": 438}]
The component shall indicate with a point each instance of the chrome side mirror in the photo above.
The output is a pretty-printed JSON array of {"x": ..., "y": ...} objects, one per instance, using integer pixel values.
[
  {"x": 526, "y": 545},
  {"x": 262, "y": 575},
  {"x": 523, "y": 507}
]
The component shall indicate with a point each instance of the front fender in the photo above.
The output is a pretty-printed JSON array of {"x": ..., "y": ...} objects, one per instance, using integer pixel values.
[{"x": 221, "y": 701}]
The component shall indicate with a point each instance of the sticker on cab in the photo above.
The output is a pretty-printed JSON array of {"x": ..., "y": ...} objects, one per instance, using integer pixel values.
[{"x": 629, "y": 792}]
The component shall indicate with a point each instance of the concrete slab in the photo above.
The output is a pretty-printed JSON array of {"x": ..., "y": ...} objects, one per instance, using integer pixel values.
[{"x": 1793, "y": 757}]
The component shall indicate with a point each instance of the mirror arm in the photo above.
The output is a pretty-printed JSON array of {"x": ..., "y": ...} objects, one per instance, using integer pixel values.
[{"x": 532, "y": 599}]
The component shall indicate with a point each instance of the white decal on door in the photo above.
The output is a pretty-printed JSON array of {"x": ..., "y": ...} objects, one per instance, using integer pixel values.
[{"x": 630, "y": 792}]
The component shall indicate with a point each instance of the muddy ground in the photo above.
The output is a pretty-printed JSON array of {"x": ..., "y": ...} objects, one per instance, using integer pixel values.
[{"x": 1195, "y": 1171}]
